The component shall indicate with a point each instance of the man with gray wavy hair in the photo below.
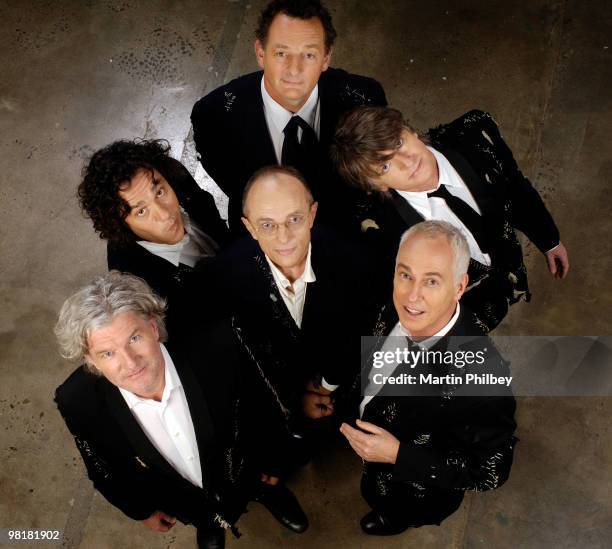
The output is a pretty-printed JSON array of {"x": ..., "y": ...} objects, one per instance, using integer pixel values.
[{"x": 166, "y": 432}]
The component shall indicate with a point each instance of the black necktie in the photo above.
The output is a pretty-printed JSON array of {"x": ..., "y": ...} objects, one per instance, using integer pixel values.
[
  {"x": 299, "y": 154},
  {"x": 468, "y": 216}
]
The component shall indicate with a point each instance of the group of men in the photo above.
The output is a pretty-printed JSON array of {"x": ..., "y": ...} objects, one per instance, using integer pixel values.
[{"x": 218, "y": 358}]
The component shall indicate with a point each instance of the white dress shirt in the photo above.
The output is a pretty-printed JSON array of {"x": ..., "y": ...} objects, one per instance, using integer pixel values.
[
  {"x": 168, "y": 424},
  {"x": 277, "y": 117},
  {"x": 294, "y": 295},
  {"x": 436, "y": 208},
  {"x": 392, "y": 342},
  {"x": 195, "y": 245}
]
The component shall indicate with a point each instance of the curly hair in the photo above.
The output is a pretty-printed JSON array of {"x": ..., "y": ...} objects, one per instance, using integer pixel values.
[
  {"x": 299, "y": 9},
  {"x": 109, "y": 170}
]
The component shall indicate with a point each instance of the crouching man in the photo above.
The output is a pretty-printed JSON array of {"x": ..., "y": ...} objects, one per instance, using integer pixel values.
[
  {"x": 166, "y": 433},
  {"x": 423, "y": 450}
]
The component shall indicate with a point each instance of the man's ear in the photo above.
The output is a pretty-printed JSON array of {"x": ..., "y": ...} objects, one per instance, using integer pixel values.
[
  {"x": 313, "y": 212},
  {"x": 462, "y": 286},
  {"x": 249, "y": 227},
  {"x": 327, "y": 59},
  {"x": 259, "y": 53}
]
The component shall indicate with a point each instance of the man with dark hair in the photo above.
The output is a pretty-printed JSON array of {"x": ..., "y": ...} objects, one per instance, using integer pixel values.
[
  {"x": 300, "y": 296},
  {"x": 425, "y": 443},
  {"x": 156, "y": 219},
  {"x": 285, "y": 114},
  {"x": 166, "y": 431},
  {"x": 463, "y": 173}
]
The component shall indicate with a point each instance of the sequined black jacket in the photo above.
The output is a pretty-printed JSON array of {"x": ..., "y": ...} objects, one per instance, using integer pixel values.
[{"x": 447, "y": 441}]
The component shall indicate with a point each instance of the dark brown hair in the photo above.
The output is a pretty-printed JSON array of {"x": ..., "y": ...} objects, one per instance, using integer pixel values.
[{"x": 299, "y": 9}]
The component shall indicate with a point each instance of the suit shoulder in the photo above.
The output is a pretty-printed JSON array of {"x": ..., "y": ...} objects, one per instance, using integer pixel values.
[
  {"x": 224, "y": 98},
  {"x": 354, "y": 88},
  {"x": 78, "y": 394}
]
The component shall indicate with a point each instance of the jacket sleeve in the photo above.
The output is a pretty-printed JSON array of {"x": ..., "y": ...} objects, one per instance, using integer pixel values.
[
  {"x": 207, "y": 124},
  {"x": 122, "y": 484},
  {"x": 529, "y": 213},
  {"x": 475, "y": 453}
]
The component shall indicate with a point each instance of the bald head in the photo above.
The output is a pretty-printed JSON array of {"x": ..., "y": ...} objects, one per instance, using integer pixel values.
[
  {"x": 275, "y": 179},
  {"x": 279, "y": 212}
]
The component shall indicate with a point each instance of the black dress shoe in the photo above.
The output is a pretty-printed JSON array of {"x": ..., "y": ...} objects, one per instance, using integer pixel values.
[
  {"x": 283, "y": 506},
  {"x": 211, "y": 538},
  {"x": 376, "y": 524}
]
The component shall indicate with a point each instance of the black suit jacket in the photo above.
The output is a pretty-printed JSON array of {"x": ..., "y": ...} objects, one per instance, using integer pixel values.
[
  {"x": 231, "y": 136},
  {"x": 340, "y": 306},
  {"x": 448, "y": 442},
  {"x": 132, "y": 475},
  {"x": 508, "y": 201},
  {"x": 166, "y": 279}
]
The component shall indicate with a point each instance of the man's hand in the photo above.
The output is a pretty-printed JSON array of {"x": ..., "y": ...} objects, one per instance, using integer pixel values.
[
  {"x": 316, "y": 406},
  {"x": 159, "y": 521},
  {"x": 376, "y": 445},
  {"x": 558, "y": 261},
  {"x": 267, "y": 479}
]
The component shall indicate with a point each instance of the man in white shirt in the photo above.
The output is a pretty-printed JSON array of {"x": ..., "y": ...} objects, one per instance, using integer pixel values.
[
  {"x": 285, "y": 114},
  {"x": 165, "y": 432},
  {"x": 464, "y": 173},
  {"x": 424, "y": 446}
]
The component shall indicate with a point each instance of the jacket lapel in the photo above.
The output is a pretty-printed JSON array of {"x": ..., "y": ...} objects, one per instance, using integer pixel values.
[
  {"x": 403, "y": 208},
  {"x": 255, "y": 127}
]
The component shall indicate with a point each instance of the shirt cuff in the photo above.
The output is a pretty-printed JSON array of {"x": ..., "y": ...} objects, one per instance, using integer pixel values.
[
  {"x": 328, "y": 386},
  {"x": 553, "y": 248}
]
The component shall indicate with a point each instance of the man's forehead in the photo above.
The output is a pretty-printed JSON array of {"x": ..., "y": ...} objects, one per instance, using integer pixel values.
[
  {"x": 426, "y": 255},
  {"x": 289, "y": 31},
  {"x": 140, "y": 185},
  {"x": 121, "y": 325},
  {"x": 277, "y": 196}
]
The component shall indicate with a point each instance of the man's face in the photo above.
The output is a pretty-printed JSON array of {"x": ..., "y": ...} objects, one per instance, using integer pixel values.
[
  {"x": 412, "y": 168},
  {"x": 128, "y": 354},
  {"x": 280, "y": 216},
  {"x": 293, "y": 58},
  {"x": 425, "y": 293},
  {"x": 155, "y": 213}
]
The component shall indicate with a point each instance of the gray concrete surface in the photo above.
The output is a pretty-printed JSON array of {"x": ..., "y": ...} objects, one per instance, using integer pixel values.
[{"x": 79, "y": 74}]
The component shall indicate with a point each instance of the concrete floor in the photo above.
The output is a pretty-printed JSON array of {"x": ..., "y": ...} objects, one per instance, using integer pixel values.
[{"x": 77, "y": 75}]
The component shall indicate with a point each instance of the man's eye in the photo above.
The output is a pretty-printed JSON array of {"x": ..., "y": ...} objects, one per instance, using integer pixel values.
[
  {"x": 404, "y": 276},
  {"x": 385, "y": 167},
  {"x": 106, "y": 354},
  {"x": 160, "y": 192},
  {"x": 280, "y": 54},
  {"x": 267, "y": 226},
  {"x": 141, "y": 212},
  {"x": 295, "y": 220},
  {"x": 400, "y": 143},
  {"x": 310, "y": 56},
  {"x": 135, "y": 337},
  {"x": 432, "y": 282}
]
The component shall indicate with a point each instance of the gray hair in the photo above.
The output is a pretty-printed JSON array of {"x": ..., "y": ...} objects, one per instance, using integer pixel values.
[
  {"x": 434, "y": 229},
  {"x": 95, "y": 306}
]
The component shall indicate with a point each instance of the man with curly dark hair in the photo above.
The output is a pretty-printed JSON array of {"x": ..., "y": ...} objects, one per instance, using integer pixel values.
[
  {"x": 157, "y": 221},
  {"x": 286, "y": 113}
]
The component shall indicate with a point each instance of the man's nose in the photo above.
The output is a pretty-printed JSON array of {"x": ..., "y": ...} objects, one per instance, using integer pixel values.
[
  {"x": 129, "y": 359},
  {"x": 161, "y": 212},
  {"x": 283, "y": 234},
  {"x": 413, "y": 292},
  {"x": 295, "y": 64}
]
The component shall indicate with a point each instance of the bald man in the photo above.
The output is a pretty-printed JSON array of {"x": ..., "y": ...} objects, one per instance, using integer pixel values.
[{"x": 301, "y": 296}]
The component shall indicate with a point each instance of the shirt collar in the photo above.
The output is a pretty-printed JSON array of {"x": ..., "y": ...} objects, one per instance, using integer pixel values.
[
  {"x": 446, "y": 176},
  {"x": 430, "y": 341},
  {"x": 306, "y": 277},
  {"x": 281, "y": 116},
  {"x": 171, "y": 382}
]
